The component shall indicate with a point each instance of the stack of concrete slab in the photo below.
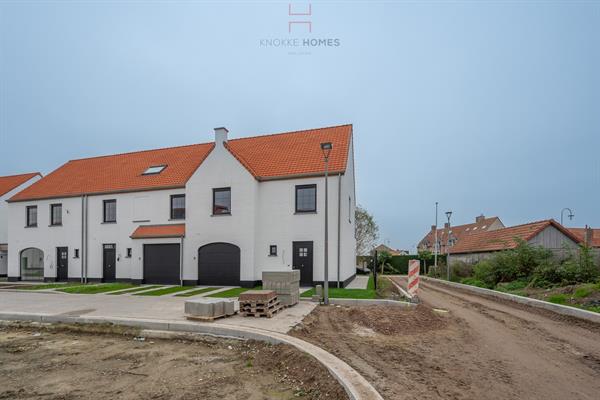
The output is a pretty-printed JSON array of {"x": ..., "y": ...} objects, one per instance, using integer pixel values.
[
  {"x": 285, "y": 283},
  {"x": 208, "y": 309},
  {"x": 259, "y": 303}
]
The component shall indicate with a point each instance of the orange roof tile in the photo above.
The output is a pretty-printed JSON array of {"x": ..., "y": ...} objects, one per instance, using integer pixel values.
[
  {"x": 119, "y": 173},
  {"x": 8, "y": 183},
  {"x": 158, "y": 231},
  {"x": 293, "y": 153},
  {"x": 457, "y": 232},
  {"x": 505, "y": 238},
  {"x": 580, "y": 232},
  {"x": 266, "y": 157}
]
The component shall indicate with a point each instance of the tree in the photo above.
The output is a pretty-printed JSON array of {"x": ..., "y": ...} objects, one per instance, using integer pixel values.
[{"x": 366, "y": 231}]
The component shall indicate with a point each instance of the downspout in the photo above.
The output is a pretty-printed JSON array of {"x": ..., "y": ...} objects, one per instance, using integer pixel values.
[
  {"x": 339, "y": 221},
  {"x": 85, "y": 279},
  {"x": 181, "y": 261},
  {"x": 82, "y": 232}
]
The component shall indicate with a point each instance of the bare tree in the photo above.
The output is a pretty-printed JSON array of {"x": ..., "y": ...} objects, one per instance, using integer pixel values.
[{"x": 366, "y": 231}]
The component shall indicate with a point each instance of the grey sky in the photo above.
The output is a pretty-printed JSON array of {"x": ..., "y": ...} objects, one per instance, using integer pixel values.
[{"x": 486, "y": 107}]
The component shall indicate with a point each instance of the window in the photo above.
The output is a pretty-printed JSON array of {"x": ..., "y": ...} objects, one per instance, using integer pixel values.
[
  {"x": 31, "y": 216},
  {"x": 273, "y": 250},
  {"x": 303, "y": 252},
  {"x": 110, "y": 211},
  {"x": 178, "y": 206},
  {"x": 76, "y": 253},
  {"x": 222, "y": 201},
  {"x": 306, "y": 198},
  {"x": 154, "y": 170},
  {"x": 128, "y": 254},
  {"x": 55, "y": 214}
]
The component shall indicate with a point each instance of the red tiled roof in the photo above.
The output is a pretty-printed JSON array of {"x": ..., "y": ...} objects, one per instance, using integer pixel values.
[
  {"x": 457, "y": 232},
  {"x": 159, "y": 231},
  {"x": 580, "y": 233},
  {"x": 119, "y": 173},
  {"x": 8, "y": 183},
  {"x": 505, "y": 238},
  {"x": 266, "y": 157},
  {"x": 293, "y": 153}
]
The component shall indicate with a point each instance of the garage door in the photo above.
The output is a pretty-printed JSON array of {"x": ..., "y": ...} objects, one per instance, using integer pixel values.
[
  {"x": 161, "y": 264},
  {"x": 219, "y": 264}
]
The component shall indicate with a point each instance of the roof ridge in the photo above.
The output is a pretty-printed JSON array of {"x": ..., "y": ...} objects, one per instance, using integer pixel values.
[
  {"x": 15, "y": 175},
  {"x": 289, "y": 132},
  {"x": 141, "y": 151}
]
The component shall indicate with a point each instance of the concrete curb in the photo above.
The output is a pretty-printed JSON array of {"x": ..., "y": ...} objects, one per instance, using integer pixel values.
[
  {"x": 355, "y": 385},
  {"x": 557, "y": 308}
]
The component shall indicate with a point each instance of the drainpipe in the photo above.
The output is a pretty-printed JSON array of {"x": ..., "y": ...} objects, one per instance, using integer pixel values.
[
  {"x": 181, "y": 261},
  {"x": 82, "y": 233},
  {"x": 339, "y": 221},
  {"x": 85, "y": 243}
]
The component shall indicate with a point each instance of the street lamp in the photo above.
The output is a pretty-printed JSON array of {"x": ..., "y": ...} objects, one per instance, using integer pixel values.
[
  {"x": 571, "y": 215},
  {"x": 326, "y": 148},
  {"x": 448, "y": 215}
]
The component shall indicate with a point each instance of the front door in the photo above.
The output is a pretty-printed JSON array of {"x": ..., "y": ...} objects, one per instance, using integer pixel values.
[
  {"x": 62, "y": 264},
  {"x": 303, "y": 260},
  {"x": 109, "y": 263}
]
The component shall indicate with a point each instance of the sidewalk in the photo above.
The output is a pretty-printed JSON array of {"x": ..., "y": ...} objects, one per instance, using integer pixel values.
[{"x": 163, "y": 308}]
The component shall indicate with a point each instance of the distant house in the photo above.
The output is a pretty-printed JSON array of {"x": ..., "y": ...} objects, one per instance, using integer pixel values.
[
  {"x": 9, "y": 185},
  {"x": 549, "y": 234},
  {"x": 589, "y": 236},
  {"x": 481, "y": 224},
  {"x": 394, "y": 252}
]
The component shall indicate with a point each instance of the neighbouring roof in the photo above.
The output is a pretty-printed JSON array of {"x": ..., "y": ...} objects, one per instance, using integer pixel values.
[
  {"x": 159, "y": 231},
  {"x": 580, "y": 232},
  {"x": 8, "y": 183},
  {"x": 458, "y": 231},
  {"x": 265, "y": 157},
  {"x": 505, "y": 238},
  {"x": 393, "y": 252}
]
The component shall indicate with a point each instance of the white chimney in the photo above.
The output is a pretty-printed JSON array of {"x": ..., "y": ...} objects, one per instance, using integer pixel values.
[{"x": 221, "y": 135}]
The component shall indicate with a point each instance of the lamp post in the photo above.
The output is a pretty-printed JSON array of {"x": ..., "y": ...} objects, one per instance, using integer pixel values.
[
  {"x": 326, "y": 147},
  {"x": 571, "y": 215},
  {"x": 435, "y": 248},
  {"x": 448, "y": 215}
]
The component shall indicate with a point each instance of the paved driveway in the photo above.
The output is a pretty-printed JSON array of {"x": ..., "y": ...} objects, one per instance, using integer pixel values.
[{"x": 159, "y": 308}]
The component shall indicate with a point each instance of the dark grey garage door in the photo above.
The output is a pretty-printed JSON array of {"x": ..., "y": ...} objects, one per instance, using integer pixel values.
[
  {"x": 219, "y": 264},
  {"x": 161, "y": 264}
]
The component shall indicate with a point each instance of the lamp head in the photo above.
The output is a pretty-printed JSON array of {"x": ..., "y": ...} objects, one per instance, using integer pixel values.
[
  {"x": 448, "y": 214},
  {"x": 326, "y": 148}
]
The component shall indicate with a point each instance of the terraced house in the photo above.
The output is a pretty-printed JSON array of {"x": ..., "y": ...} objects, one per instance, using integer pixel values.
[{"x": 213, "y": 213}]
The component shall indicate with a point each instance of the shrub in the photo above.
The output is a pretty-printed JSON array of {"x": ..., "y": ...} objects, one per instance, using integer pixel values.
[
  {"x": 475, "y": 282},
  {"x": 512, "y": 286},
  {"x": 484, "y": 271},
  {"x": 578, "y": 268},
  {"x": 459, "y": 270}
]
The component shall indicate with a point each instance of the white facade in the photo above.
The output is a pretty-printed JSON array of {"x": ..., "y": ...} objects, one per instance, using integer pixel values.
[
  {"x": 4, "y": 249},
  {"x": 262, "y": 214}
]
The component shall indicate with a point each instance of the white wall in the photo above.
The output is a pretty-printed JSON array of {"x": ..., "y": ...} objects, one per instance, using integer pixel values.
[
  {"x": 47, "y": 238},
  {"x": 4, "y": 208}
]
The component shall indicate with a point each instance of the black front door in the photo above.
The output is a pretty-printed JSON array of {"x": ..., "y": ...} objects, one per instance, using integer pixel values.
[
  {"x": 62, "y": 263},
  {"x": 303, "y": 260},
  {"x": 109, "y": 263}
]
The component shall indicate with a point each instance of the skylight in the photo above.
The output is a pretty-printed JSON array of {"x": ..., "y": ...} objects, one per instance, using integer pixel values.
[{"x": 155, "y": 169}]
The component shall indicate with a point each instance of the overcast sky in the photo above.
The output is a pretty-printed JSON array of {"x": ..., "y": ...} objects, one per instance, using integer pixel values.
[{"x": 486, "y": 107}]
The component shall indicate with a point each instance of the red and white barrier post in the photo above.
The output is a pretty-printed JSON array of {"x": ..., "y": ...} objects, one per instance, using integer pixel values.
[{"x": 413, "y": 277}]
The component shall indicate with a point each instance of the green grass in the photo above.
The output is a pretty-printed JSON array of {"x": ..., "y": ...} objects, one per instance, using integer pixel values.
[
  {"x": 474, "y": 282},
  {"x": 371, "y": 283},
  {"x": 137, "y": 289},
  {"x": 336, "y": 293},
  {"x": 558, "y": 299},
  {"x": 95, "y": 289},
  {"x": 163, "y": 291},
  {"x": 197, "y": 291},
  {"x": 584, "y": 291},
  {"x": 509, "y": 287},
  {"x": 235, "y": 292},
  {"x": 51, "y": 286}
]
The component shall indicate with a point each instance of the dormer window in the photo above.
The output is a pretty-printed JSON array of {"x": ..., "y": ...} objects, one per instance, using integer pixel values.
[{"x": 154, "y": 170}]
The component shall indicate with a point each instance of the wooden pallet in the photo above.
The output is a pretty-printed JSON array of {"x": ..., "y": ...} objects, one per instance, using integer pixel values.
[
  {"x": 268, "y": 314},
  {"x": 259, "y": 307}
]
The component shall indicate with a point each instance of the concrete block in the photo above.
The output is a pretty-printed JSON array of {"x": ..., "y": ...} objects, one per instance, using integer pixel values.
[
  {"x": 281, "y": 276},
  {"x": 289, "y": 300},
  {"x": 207, "y": 307}
]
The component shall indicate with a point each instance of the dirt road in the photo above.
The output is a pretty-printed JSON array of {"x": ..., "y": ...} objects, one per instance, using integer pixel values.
[
  {"x": 54, "y": 363},
  {"x": 479, "y": 349}
]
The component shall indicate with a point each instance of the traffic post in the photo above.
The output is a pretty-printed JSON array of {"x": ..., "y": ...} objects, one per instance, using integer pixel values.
[{"x": 413, "y": 277}]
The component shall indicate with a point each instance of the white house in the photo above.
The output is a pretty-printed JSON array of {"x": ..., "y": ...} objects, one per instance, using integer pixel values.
[
  {"x": 217, "y": 213},
  {"x": 9, "y": 186}
]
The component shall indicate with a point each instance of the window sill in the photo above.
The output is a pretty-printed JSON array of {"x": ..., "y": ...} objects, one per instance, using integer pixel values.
[
  {"x": 31, "y": 226},
  {"x": 109, "y": 222},
  {"x": 176, "y": 219},
  {"x": 54, "y": 225},
  {"x": 221, "y": 215},
  {"x": 137, "y": 221},
  {"x": 304, "y": 212},
  {"x": 272, "y": 255}
]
